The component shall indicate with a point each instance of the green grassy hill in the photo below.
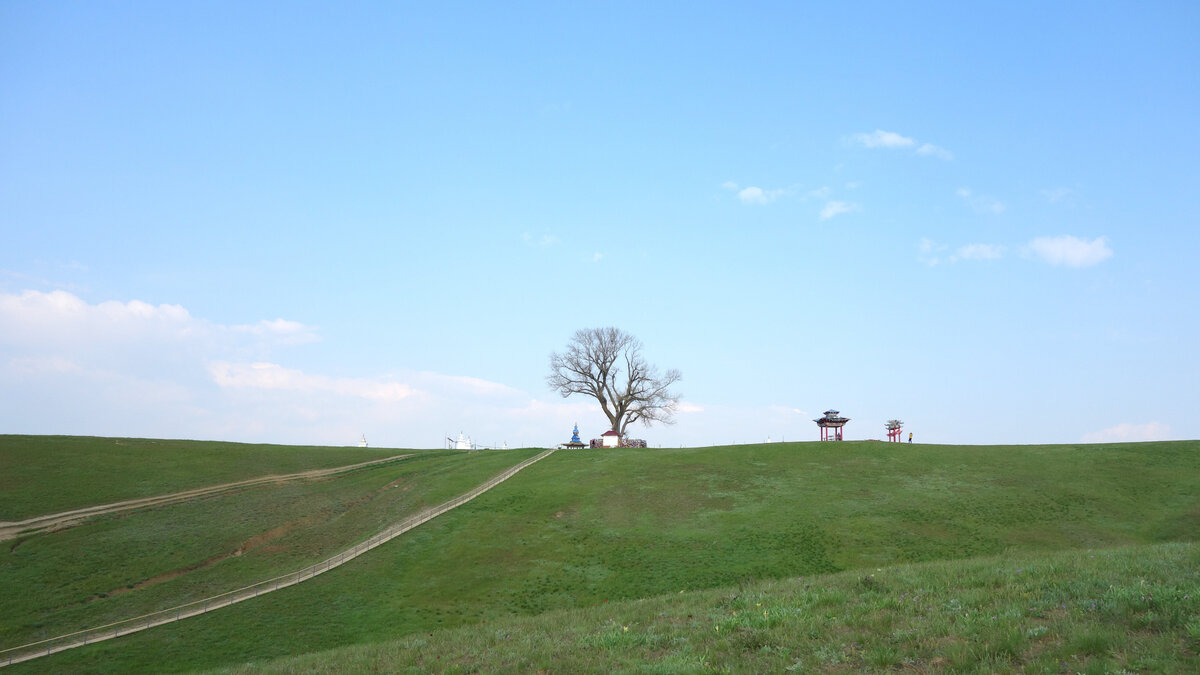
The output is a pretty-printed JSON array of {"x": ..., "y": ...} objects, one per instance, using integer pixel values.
[
  {"x": 1103, "y": 611},
  {"x": 585, "y": 529},
  {"x": 50, "y": 474}
]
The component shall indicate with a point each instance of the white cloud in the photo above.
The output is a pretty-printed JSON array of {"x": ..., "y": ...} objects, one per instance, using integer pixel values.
[
  {"x": 288, "y": 332},
  {"x": 835, "y": 208},
  {"x": 1125, "y": 433},
  {"x": 597, "y": 256},
  {"x": 1058, "y": 194},
  {"x": 1071, "y": 251},
  {"x": 883, "y": 139},
  {"x": 59, "y": 317},
  {"x": 465, "y": 384},
  {"x": 38, "y": 365},
  {"x": 544, "y": 241},
  {"x": 754, "y": 195},
  {"x": 38, "y": 307},
  {"x": 935, "y": 151},
  {"x": 891, "y": 140},
  {"x": 137, "y": 369},
  {"x": 929, "y": 251},
  {"x": 686, "y": 407},
  {"x": 978, "y": 252},
  {"x": 820, "y": 193},
  {"x": 757, "y": 195},
  {"x": 787, "y": 410},
  {"x": 276, "y": 377},
  {"x": 980, "y": 203}
]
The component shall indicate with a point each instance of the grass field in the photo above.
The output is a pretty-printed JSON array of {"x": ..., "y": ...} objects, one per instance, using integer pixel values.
[
  {"x": 585, "y": 529},
  {"x": 122, "y": 566},
  {"x": 1103, "y": 611},
  {"x": 50, "y": 474}
]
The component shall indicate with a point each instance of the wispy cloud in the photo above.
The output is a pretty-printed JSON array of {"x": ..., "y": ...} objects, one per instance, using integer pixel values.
[
  {"x": 1126, "y": 432},
  {"x": 1070, "y": 251},
  {"x": 135, "y": 368},
  {"x": 883, "y": 139},
  {"x": 542, "y": 241},
  {"x": 1057, "y": 195},
  {"x": 980, "y": 203},
  {"x": 787, "y": 410},
  {"x": 929, "y": 251},
  {"x": 935, "y": 151},
  {"x": 686, "y": 407},
  {"x": 835, "y": 208},
  {"x": 754, "y": 195},
  {"x": 288, "y": 332},
  {"x": 276, "y": 377},
  {"x": 597, "y": 256},
  {"x": 890, "y": 140},
  {"x": 978, "y": 252}
]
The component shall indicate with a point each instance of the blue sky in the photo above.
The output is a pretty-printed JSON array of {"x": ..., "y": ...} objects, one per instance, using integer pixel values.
[{"x": 299, "y": 223}]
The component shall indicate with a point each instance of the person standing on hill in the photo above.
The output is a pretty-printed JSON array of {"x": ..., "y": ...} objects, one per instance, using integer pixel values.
[{"x": 910, "y": 437}]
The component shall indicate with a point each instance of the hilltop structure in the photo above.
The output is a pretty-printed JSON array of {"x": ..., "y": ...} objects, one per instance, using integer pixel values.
[
  {"x": 612, "y": 439},
  {"x": 831, "y": 420},
  {"x": 574, "y": 442},
  {"x": 893, "y": 430}
]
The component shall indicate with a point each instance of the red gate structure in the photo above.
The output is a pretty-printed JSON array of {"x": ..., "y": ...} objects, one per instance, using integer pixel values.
[{"x": 893, "y": 430}]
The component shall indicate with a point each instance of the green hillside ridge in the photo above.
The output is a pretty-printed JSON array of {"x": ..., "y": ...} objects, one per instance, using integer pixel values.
[
  {"x": 1101, "y": 611},
  {"x": 116, "y": 567},
  {"x": 50, "y": 474},
  {"x": 585, "y": 528}
]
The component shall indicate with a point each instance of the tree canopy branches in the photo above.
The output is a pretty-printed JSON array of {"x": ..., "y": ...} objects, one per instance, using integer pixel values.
[{"x": 607, "y": 364}]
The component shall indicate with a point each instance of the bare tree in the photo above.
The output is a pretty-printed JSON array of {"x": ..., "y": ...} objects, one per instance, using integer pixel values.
[{"x": 607, "y": 364}]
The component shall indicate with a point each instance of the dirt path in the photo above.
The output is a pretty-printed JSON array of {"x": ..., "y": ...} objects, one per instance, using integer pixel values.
[
  {"x": 63, "y": 642},
  {"x": 58, "y": 521}
]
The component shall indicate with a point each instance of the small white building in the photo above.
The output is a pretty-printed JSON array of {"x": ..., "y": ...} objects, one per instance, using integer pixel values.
[
  {"x": 463, "y": 443},
  {"x": 611, "y": 439},
  {"x": 363, "y": 443}
]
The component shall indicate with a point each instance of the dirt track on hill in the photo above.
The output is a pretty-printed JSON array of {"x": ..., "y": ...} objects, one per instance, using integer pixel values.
[
  {"x": 59, "y": 521},
  {"x": 114, "y": 630}
]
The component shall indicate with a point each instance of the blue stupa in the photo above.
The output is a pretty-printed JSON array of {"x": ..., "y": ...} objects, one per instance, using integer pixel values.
[{"x": 575, "y": 442}]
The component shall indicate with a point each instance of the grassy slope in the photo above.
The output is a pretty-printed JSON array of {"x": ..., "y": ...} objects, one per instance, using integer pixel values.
[
  {"x": 584, "y": 528},
  {"x": 97, "y": 573},
  {"x": 1103, "y": 611},
  {"x": 51, "y": 474}
]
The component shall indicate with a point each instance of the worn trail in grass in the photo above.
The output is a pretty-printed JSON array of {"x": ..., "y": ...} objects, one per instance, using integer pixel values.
[
  {"x": 59, "y": 521},
  {"x": 118, "y": 567},
  {"x": 51, "y": 474}
]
